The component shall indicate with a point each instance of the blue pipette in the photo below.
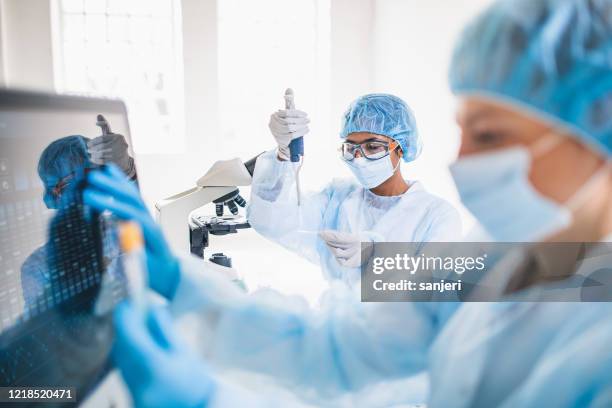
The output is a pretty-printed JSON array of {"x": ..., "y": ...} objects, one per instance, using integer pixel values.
[{"x": 296, "y": 146}]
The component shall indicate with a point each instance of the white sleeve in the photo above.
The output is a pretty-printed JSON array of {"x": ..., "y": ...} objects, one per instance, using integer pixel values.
[
  {"x": 273, "y": 211},
  {"x": 446, "y": 225},
  {"x": 341, "y": 349},
  {"x": 230, "y": 395}
]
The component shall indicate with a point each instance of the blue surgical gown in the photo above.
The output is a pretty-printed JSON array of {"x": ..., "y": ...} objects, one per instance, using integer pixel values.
[
  {"x": 344, "y": 205},
  {"x": 477, "y": 354}
]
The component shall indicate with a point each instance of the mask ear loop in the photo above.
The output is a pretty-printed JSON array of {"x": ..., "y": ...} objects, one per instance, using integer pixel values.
[
  {"x": 578, "y": 198},
  {"x": 546, "y": 144},
  {"x": 399, "y": 159},
  {"x": 551, "y": 140}
]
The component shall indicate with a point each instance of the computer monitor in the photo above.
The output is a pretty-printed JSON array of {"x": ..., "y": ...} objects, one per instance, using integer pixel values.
[{"x": 60, "y": 273}]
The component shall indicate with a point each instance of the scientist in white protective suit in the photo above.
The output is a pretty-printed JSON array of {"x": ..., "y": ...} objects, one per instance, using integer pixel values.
[
  {"x": 534, "y": 82},
  {"x": 378, "y": 132}
]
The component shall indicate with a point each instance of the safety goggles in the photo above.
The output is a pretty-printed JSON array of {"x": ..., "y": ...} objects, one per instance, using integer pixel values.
[
  {"x": 60, "y": 186},
  {"x": 371, "y": 149}
]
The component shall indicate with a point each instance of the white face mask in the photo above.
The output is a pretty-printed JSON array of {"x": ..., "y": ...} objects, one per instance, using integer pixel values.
[
  {"x": 495, "y": 187},
  {"x": 372, "y": 173}
]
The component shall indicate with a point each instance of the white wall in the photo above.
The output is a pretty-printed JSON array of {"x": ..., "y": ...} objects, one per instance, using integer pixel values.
[{"x": 352, "y": 42}]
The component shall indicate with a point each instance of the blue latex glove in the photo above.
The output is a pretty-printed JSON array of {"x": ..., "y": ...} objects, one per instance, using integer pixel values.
[
  {"x": 109, "y": 189},
  {"x": 158, "y": 368}
]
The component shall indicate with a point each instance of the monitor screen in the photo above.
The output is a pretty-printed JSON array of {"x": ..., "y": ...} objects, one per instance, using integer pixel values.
[{"x": 60, "y": 269}]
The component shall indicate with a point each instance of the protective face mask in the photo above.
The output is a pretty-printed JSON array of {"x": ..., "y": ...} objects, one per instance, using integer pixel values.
[
  {"x": 495, "y": 188},
  {"x": 372, "y": 173}
]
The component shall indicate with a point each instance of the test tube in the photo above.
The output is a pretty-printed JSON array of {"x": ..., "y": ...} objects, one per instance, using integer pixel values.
[{"x": 131, "y": 243}]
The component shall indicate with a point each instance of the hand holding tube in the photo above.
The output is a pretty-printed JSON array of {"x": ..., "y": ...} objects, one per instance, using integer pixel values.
[{"x": 109, "y": 189}]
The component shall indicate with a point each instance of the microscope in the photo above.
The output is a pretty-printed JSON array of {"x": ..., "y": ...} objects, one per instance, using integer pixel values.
[{"x": 191, "y": 232}]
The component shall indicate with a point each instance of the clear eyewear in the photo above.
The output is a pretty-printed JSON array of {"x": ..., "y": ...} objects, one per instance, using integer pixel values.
[{"x": 371, "y": 150}]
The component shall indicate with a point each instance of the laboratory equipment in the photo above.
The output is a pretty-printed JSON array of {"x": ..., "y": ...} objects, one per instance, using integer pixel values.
[
  {"x": 202, "y": 226},
  {"x": 230, "y": 200},
  {"x": 52, "y": 261},
  {"x": 296, "y": 146},
  {"x": 189, "y": 232},
  {"x": 134, "y": 263},
  {"x": 103, "y": 124}
]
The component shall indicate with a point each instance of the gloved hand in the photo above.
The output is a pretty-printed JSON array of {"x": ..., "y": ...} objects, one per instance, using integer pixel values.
[
  {"x": 109, "y": 189},
  {"x": 346, "y": 247},
  {"x": 158, "y": 367},
  {"x": 286, "y": 125},
  {"x": 112, "y": 148}
]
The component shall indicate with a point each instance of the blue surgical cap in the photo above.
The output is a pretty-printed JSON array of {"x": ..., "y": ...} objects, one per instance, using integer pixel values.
[
  {"x": 64, "y": 157},
  {"x": 550, "y": 57},
  {"x": 385, "y": 115}
]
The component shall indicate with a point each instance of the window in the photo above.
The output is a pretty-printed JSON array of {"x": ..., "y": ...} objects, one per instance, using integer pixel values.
[{"x": 130, "y": 50}]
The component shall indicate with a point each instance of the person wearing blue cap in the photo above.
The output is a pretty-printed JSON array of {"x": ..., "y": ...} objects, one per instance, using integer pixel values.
[
  {"x": 534, "y": 79},
  {"x": 328, "y": 227},
  {"x": 62, "y": 166},
  {"x": 536, "y": 117},
  {"x": 59, "y": 167}
]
